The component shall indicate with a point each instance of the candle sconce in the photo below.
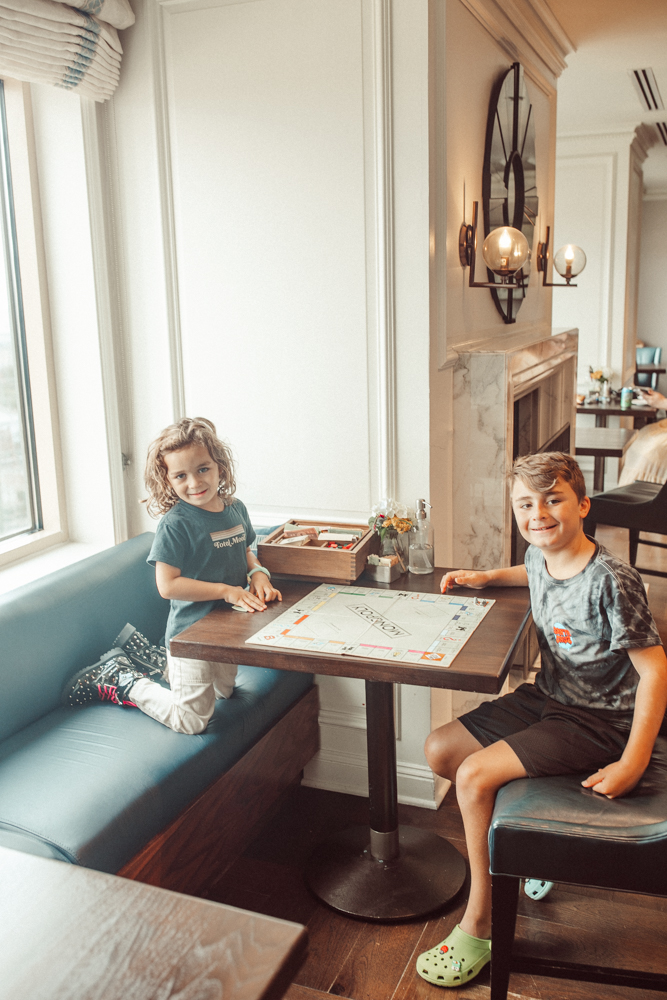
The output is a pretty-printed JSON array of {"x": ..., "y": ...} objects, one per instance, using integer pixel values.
[
  {"x": 569, "y": 261},
  {"x": 505, "y": 251}
]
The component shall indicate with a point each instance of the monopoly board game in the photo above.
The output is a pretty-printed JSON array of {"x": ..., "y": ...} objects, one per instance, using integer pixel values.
[{"x": 382, "y": 624}]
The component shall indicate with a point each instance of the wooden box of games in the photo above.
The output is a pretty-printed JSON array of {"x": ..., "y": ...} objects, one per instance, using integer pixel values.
[{"x": 317, "y": 551}]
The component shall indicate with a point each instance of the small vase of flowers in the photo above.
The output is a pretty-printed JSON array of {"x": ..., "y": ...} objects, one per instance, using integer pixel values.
[
  {"x": 600, "y": 382},
  {"x": 392, "y": 522}
]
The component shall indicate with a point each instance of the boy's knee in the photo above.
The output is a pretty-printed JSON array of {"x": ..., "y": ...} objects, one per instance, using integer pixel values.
[
  {"x": 472, "y": 774},
  {"x": 438, "y": 753},
  {"x": 433, "y": 749}
]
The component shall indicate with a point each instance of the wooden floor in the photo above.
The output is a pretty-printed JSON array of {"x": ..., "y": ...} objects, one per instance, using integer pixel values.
[{"x": 363, "y": 961}]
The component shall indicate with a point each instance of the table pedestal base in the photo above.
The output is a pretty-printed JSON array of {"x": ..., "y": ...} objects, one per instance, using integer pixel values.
[{"x": 427, "y": 873}]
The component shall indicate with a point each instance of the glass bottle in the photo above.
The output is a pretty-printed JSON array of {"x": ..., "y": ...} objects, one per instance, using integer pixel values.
[{"x": 420, "y": 555}]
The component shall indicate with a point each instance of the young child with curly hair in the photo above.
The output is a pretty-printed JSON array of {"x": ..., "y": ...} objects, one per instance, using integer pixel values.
[{"x": 202, "y": 556}]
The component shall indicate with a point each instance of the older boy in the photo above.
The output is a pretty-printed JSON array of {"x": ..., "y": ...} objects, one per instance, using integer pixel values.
[{"x": 597, "y": 703}]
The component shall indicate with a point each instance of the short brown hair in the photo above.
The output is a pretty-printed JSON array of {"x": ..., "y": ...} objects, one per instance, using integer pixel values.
[
  {"x": 541, "y": 472},
  {"x": 189, "y": 430}
]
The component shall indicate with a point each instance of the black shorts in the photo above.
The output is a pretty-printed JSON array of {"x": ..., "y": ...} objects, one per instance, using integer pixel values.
[{"x": 547, "y": 737}]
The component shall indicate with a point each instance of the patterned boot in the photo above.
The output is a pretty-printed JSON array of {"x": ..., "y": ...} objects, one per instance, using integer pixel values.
[
  {"x": 110, "y": 679},
  {"x": 150, "y": 659}
]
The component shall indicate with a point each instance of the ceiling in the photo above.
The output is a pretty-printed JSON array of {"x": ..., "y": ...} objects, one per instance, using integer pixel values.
[{"x": 595, "y": 92}]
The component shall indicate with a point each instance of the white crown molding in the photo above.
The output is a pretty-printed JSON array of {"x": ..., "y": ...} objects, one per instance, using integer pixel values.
[
  {"x": 655, "y": 194},
  {"x": 385, "y": 312},
  {"x": 529, "y": 32},
  {"x": 167, "y": 210},
  {"x": 102, "y": 214},
  {"x": 646, "y": 136}
]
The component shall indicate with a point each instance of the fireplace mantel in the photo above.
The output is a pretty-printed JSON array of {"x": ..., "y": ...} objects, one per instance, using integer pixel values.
[{"x": 489, "y": 379}]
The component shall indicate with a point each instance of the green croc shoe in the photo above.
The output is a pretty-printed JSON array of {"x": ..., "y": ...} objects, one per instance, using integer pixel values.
[
  {"x": 536, "y": 888},
  {"x": 456, "y": 960}
]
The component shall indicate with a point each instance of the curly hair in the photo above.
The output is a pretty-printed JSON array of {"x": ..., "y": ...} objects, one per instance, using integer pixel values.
[
  {"x": 189, "y": 430},
  {"x": 542, "y": 470}
]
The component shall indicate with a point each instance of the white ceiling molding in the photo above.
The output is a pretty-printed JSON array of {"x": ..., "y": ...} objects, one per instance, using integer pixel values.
[
  {"x": 645, "y": 137},
  {"x": 529, "y": 32}
]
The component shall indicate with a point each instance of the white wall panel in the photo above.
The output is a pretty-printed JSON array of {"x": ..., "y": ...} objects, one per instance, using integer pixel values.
[
  {"x": 585, "y": 216},
  {"x": 266, "y": 118}
]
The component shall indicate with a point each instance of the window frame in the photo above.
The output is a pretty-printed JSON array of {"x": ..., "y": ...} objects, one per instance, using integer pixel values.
[{"x": 36, "y": 322}]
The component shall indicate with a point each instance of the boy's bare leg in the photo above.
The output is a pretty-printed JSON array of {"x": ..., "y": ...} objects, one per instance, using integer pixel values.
[
  {"x": 478, "y": 774},
  {"x": 448, "y": 746}
]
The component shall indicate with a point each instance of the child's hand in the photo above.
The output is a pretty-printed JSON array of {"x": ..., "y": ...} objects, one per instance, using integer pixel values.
[
  {"x": 613, "y": 780},
  {"x": 244, "y": 598},
  {"x": 465, "y": 578},
  {"x": 261, "y": 586}
]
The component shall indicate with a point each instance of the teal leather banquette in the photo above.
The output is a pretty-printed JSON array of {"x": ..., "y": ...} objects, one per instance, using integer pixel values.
[{"x": 103, "y": 786}]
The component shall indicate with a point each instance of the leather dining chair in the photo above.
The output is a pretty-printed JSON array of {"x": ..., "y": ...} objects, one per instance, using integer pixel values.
[
  {"x": 647, "y": 356},
  {"x": 553, "y": 829},
  {"x": 638, "y": 507}
]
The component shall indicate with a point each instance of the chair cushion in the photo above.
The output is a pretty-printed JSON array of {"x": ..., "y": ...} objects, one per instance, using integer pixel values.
[
  {"x": 93, "y": 785},
  {"x": 54, "y": 627},
  {"x": 553, "y": 829},
  {"x": 634, "y": 492}
]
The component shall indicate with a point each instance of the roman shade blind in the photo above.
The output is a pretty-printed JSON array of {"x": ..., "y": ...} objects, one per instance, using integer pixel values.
[{"x": 71, "y": 46}]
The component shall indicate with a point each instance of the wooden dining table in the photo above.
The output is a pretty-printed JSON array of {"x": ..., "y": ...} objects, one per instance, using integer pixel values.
[
  {"x": 68, "y": 933},
  {"x": 389, "y": 872}
]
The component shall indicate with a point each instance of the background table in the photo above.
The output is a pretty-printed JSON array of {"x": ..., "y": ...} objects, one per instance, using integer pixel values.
[
  {"x": 68, "y": 932},
  {"x": 389, "y": 872},
  {"x": 640, "y": 414},
  {"x": 601, "y": 442},
  {"x": 650, "y": 370}
]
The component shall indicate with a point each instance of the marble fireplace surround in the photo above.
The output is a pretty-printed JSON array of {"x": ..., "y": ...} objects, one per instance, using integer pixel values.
[{"x": 488, "y": 378}]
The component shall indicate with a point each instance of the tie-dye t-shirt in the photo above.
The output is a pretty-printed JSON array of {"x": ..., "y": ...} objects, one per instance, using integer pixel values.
[{"x": 585, "y": 625}]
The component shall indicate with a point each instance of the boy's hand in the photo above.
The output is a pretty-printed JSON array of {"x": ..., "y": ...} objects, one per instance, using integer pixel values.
[
  {"x": 614, "y": 780},
  {"x": 465, "y": 578},
  {"x": 244, "y": 598},
  {"x": 261, "y": 586}
]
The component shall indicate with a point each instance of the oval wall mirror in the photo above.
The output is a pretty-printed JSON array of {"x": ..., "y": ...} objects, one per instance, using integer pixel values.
[{"x": 509, "y": 187}]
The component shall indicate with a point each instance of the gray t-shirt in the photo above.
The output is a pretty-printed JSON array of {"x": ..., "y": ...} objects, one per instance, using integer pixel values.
[
  {"x": 585, "y": 625},
  {"x": 204, "y": 545}
]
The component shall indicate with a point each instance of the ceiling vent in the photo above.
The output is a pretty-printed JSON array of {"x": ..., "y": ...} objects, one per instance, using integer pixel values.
[
  {"x": 647, "y": 89},
  {"x": 662, "y": 129}
]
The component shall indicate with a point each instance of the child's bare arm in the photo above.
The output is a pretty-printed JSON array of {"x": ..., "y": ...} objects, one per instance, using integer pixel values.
[
  {"x": 621, "y": 777},
  {"x": 175, "y": 587},
  {"x": 260, "y": 583},
  {"x": 511, "y": 576}
]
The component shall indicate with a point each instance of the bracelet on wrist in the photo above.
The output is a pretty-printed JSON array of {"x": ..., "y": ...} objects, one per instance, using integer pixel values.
[{"x": 258, "y": 569}]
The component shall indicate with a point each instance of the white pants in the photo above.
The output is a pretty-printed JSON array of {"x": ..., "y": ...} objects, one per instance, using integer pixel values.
[{"x": 195, "y": 684}]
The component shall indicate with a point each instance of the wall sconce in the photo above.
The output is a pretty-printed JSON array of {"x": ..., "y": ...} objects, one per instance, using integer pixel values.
[
  {"x": 505, "y": 251},
  {"x": 569, "y": 261}
]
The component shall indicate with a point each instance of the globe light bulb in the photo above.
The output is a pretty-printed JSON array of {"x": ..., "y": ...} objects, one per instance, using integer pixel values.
[
  {"x": 569, "y": 261},
  {"x": 505, "y": 251}
]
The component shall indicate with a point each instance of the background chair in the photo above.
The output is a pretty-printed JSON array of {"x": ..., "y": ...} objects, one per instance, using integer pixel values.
[
  {"x": 637, "y": 507},
  {"x": 553, "y": 829},
  {"x": 647, "y": 356}
]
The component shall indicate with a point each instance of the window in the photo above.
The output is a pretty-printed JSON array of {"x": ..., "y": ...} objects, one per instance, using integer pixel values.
[
  {"x": 32, "y": 506},
  {"x": 19, "y": 488}
]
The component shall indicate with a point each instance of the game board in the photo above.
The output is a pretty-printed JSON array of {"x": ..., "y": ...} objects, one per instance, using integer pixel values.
[{"x": 382, "y": 624}]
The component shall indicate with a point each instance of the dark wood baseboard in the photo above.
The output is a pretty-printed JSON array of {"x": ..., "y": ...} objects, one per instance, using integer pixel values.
[{"x": 216, "y": 828}]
